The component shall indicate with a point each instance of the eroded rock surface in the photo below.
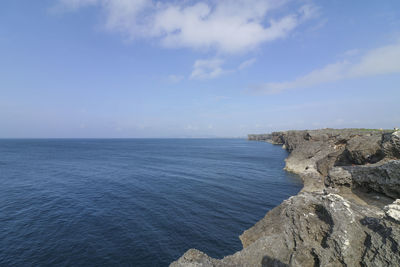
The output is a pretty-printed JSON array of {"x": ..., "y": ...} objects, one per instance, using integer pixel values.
[{"x": 346, "y": 214}]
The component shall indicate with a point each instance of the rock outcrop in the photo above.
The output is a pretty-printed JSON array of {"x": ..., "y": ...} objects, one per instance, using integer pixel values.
[{"x": 346, "y": 214}]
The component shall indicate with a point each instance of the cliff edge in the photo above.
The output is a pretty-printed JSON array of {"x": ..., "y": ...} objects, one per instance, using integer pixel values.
[{"x": 347, "y": 214}]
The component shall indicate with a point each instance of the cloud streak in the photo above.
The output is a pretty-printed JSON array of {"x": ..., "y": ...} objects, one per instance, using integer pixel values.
[
  {"x": 173, "y": 78},
  {"x": 204, "y": 69},
  {"x": 207, "y": 69},
  {"x": 247, "y": 64},
  {"x": 380, "y": 61},
  {"x": 226, "y": 26}
]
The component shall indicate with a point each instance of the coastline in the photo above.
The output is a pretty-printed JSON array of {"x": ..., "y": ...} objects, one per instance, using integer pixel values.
[{"x": 346, "y": 213}]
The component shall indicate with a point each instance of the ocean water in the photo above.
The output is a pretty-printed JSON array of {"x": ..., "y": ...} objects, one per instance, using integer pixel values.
[{"x": 133, "y": 202}]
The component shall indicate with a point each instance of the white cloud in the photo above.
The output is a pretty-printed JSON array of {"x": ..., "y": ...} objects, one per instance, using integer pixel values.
[
  {"x": 228, "y": 26},
  {"x": 383, "y": 60},
  {"x": 207, "y": 69},
  {"x": 74, "y": 4},
  {"x": 213, "y": 68},
  {"x": 351, "y": 52},
  {"x": 247, "y": 63},
  {"x": 191, "y": 127},
  {"x": 175, "y": 78},
  {"x": 220, "y": 98}
]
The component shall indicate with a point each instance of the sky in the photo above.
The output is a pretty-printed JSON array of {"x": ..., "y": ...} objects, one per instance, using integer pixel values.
[{"x": 212, "y": 68}]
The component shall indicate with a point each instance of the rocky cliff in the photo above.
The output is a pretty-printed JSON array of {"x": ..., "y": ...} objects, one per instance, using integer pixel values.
[{"x": 346, "y": 214}]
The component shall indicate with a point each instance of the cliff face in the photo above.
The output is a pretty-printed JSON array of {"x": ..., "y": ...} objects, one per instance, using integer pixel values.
[{"x": 346, "y": 214}]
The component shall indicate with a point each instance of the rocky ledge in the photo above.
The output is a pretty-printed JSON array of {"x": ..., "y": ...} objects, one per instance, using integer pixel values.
[{"x": 347, "y": 214}]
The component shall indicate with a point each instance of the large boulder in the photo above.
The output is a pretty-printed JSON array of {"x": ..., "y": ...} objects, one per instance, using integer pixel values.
[
  {"x": 313, "y": 229},
  {"x": 391, "y": 144}
]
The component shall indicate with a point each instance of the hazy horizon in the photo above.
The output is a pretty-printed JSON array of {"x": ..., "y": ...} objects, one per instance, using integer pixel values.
[
  {"x": 183, "y": 137},
  {"x": 196, "y": 69}
]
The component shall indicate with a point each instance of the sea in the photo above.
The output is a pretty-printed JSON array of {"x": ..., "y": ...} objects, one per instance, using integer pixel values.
[{"x": 133, "y": 202}]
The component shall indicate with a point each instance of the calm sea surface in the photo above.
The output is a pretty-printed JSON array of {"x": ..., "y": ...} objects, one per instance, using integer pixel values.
[{"x": 133, "y": 202}]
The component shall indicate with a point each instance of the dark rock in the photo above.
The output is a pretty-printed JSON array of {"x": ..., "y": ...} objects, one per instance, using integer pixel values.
[
  {"x": 391, "y": 144},
  {"x": 364, "y": 149}
]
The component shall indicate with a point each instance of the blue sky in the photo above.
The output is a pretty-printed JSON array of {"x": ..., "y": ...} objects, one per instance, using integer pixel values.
[{"x": 141, "y": 68}]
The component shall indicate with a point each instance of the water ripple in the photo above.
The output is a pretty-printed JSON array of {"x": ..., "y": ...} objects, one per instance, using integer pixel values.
[{"x": 138, "y": 202}]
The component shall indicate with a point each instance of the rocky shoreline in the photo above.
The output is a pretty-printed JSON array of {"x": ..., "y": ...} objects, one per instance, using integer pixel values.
[{"x": 347, "y": 214}]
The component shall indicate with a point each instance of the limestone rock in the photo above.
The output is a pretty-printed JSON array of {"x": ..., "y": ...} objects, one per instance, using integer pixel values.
[
  {"x": 345, "y": 214},
  {"x": 391, "y": 144},
  {"x": 393, "y": 210},
  {"x": 363, "y": 149},
  {"x": 339, "y": 176},
  {"x": 193, "y": 258}
]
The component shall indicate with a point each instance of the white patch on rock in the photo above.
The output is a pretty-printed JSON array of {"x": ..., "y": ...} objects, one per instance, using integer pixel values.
[
  {"x": 393, "y": 210},
  {"x": 346, "y": 243},
  {"x": 336, "y": 200}
]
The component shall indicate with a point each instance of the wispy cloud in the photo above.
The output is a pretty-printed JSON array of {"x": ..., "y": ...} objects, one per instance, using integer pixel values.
[
  {"x": 191, "y": 127},
  {"x": 175, "y": 78},
  {"x": 212, "y": 68},
  {"x": 226, "y": 26},
  {"x": 383, "y": 60},
  {"x": 220, "y": 98},
  {"x": 247, "y": 63},
  {"x": 351, "y": 52},
  {"x": 75, "y": 4},
  {"x": 207, "y": 69}
]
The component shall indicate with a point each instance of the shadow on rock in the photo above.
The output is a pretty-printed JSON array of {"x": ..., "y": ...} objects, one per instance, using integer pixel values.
[{"x": 271, "y": 262}]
